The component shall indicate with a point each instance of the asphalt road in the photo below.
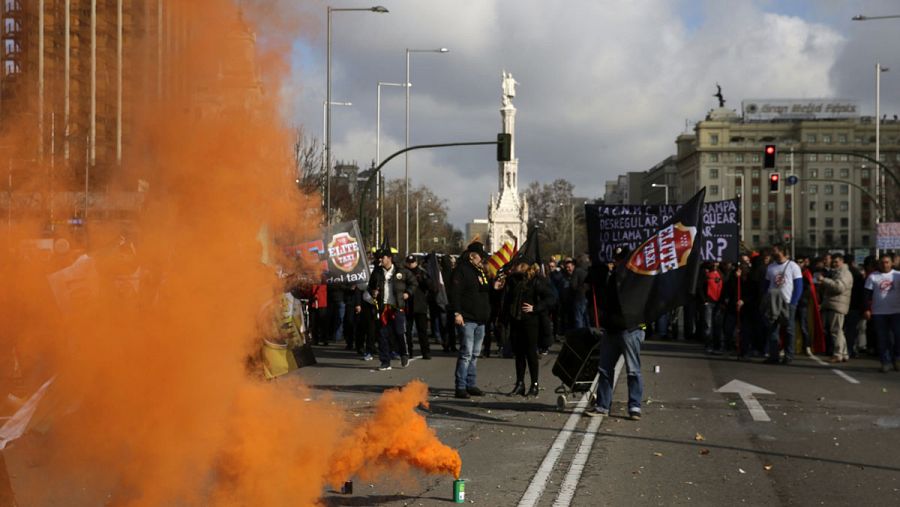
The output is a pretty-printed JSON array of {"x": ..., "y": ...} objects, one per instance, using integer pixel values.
[{"x": 831, "y": 439}]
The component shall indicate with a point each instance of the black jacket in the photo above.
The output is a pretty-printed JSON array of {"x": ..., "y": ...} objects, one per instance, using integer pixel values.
[
  {"x": 611, "y": 317},
  {"x": 424, "y": 286},
  {"x": 520, "y": 290},
  {"x": 469, "y": 293},
  {"x": 402, "y": 281}
]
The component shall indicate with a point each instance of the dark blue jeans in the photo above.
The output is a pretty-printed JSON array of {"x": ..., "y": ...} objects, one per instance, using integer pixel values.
[
  {"x": 392, "y": 336},
  {"x": 612, "y": 346},
  {"x": 887, "y": 329}
]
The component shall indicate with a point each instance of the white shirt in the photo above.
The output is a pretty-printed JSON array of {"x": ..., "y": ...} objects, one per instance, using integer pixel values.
[
  {"x": 885, "y": 289},
  {"x": 388, "y": 296},
  {"x": 781, "y": 277}
]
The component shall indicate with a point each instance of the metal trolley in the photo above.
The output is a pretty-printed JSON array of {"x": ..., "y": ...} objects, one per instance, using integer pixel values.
[{"x": 576, "y": 366}]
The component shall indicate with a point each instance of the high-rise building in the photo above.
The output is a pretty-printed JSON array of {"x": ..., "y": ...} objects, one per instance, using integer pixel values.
[{"x": 825, "y": 144}]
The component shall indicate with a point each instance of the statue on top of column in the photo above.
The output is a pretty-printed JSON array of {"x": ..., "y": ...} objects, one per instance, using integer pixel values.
[{"x": 509, "y": 88}]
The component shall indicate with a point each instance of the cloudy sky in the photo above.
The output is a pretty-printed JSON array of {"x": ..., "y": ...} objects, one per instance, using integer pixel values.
[{"x": 604, "y": 87}]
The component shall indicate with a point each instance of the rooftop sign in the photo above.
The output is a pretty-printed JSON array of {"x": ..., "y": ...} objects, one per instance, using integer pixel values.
[{"x": 799, "y": 109}]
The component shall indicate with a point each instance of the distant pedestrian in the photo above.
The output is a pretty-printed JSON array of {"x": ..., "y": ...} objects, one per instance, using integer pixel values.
[
  {"x": 883, "y": 302},
  {"x": 470, "y": 305},
  {"x": 417, "y": 307},
  {"x": 835, "y": 287},
  {"x": 783, "y": 288}
]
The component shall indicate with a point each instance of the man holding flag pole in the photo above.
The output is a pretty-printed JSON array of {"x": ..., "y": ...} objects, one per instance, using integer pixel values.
[{"x": 658, "y": 276}]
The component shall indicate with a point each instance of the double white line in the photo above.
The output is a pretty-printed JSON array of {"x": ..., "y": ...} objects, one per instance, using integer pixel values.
[{"x": 570, "y": 483}]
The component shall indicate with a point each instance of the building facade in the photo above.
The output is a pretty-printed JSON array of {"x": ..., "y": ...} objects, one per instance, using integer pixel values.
[{"x": 824, "y": 143}]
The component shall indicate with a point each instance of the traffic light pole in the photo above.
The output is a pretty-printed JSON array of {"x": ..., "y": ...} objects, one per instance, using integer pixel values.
[{"x": 377, "y": 171}]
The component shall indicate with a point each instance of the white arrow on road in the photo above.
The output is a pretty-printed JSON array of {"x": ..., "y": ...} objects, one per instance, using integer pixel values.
[{"x": 746, "y": 392}]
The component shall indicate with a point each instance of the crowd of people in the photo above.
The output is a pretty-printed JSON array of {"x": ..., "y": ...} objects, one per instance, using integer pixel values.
[{"x": 755, "y": 307}]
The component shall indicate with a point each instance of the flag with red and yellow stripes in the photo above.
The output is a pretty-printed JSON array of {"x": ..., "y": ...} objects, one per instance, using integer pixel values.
[{"x": 500, "y": 258}]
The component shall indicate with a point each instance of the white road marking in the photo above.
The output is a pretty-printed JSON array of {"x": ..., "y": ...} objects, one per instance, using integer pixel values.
[
  {"x": 746, "y": 392},
  {"x": 573, "y": 476},
  {"x": 839, "y": 373}
]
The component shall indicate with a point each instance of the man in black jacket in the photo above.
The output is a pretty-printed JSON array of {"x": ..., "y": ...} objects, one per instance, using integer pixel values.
[
  {"x": 417, "y": 308},
  {"x": 470, "y": 307},
  {"x": 391, "y": 286}
]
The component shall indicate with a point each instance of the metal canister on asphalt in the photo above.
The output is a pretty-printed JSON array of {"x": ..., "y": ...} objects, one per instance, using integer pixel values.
[
  {"x": 656, "y": 369},
  {"x": 347, "y": 488},
  {"x": 459, "y": 491}
]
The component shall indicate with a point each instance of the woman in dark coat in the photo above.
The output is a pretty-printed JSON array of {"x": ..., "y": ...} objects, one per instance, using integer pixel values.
[{"x": 528, "y": 298}]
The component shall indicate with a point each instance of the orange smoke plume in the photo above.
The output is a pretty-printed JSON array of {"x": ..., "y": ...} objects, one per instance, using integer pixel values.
[
  {"x": 148, "y": 333},
  {"x": 395, "y": 434}
]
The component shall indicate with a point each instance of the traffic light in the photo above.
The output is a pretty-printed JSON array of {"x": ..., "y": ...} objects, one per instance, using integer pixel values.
[
  {"x": 769, "y": 157},
  {"x": 504, "y": 147},
  {"x": 774, "y": 178}
]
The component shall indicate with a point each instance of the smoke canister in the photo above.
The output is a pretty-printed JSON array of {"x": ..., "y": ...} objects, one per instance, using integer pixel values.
[
  {"x": 347, "y": 488},
  {"x": 459, "y": 491}
]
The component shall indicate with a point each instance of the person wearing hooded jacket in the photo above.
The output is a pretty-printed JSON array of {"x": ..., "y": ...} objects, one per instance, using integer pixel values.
[{"x": 529, "y": 297}]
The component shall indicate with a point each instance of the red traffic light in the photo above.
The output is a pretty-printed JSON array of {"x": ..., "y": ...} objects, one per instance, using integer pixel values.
[
  {"x": 773, "y": 182},
  {"x": 773, "y": 177},
  {"x": 770, "y": 150}
]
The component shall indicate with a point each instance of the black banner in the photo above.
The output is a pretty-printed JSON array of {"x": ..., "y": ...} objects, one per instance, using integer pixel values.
[
  {"x": 661, "y": 272},
  {"x": 340, "y": 255},
  {"x": 625, "y": 225}
]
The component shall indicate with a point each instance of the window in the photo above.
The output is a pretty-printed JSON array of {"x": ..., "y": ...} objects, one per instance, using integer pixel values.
[
  {"x": 812, "y": 188},
  {"x": 865, "y": 239},
  {"x": 754, "y": 157},
  {"x": 864, "y": 172},
  {"x": 812, "y": 238},
  {"x": 829, "y": 222},
  {"x": 829, "y": 189},
  {"x": 829, "y": 173},
  {"x": 826, "y": 138},
  {"x": 714, "y": 189},
  {"x": 829, "y": 206},
  {"x": 754, "y": 174},
  {"x": 866, "y": 205},
  {"x": 754, "y": 190},
  {"x": 756, "y": 239},
  {"x": 756, "y": 223},
  {"x": 714, "y": 139},
  {"x": 812, "y": 221},
  {"x": 845, "y": 189},
  {"x": 812, "y": 205},
  {"x": 844, "y": 222},
  {"x": 845, "y": 173},
  {"x": 845, "y": 206},
  {"x": 827, "y": 157},
  {"x": 858, "y": 139},
  {"x": 811, "y": 138},
  {"x": 755, "y": 206},
  {"x": 771, "y": 206},
  {"x": 739, "y": 157},
  {"x": 813, "y": 173},
  {"x": 844, "y": 239},
  {"x": 842, "y": 138},
  {"x": 844, "y": 158},
  {"x": 812, "y": 157},
  {"x": 713, "y": 157},
  {"x": 714, "y": 173}
]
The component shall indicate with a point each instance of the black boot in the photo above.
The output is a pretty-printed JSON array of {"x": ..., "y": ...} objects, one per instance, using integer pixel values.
[
  {"x": 534, "y": 390},
  {"x": 518, "y": 390}
]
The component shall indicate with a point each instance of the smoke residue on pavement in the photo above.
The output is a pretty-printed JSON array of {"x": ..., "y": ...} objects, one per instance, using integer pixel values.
[{"x": 152, "y": 396}]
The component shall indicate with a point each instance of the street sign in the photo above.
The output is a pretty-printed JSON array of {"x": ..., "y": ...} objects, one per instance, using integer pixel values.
[
  {"x": 792, "y": 180},
  {"x": 746, "y": 392}
]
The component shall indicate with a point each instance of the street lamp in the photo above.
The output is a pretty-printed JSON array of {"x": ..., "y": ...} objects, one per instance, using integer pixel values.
[
  {"x": 879, "y": 185},
  {"x": 379, "y": 211},
  {"x": 379, "y": 9},
  {"x": 662, "y": 185},
  {"x": 406, "y": 156}
]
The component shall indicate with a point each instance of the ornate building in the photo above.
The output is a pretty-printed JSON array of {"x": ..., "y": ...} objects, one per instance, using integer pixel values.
[{"x": 508, "y": 211}]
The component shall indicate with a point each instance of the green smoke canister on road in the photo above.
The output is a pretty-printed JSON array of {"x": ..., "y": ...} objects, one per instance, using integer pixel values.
[{"x": 459, "y": 491}]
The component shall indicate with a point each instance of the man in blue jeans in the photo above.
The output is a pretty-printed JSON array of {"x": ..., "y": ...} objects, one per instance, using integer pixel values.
[
  {"x": 619, "y": 340},
  {"x": 470, "y": 306}
]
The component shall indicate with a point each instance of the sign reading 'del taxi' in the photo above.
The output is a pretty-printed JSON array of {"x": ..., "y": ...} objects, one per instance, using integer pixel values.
[{"x": 799, "y": 109}]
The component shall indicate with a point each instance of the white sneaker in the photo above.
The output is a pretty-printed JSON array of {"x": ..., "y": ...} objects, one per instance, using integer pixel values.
[{"x": 808, "y": 351}]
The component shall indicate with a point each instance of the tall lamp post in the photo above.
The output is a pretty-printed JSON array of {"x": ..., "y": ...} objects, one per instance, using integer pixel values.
[
  {"x": 664, "y": 186},
  {"x": 326, "y": 163},
  {"x": 379, "y": 205},
  {"x": 406, "y": 156},
  {"x": 378, "y": 9},
  {"x": 879, "y": 184}
]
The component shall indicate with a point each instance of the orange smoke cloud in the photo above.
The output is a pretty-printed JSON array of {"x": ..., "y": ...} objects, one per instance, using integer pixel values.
[
  {"x": 395, "y": 433},
  {"x": 153, "y": 404}
]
